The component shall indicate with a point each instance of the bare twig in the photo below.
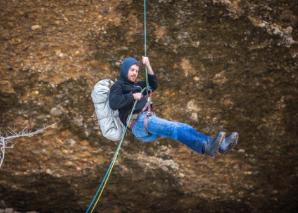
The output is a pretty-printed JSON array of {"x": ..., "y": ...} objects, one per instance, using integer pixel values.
[
  {"x": 2, "y": 153},
  {"x": 7, "y": 140}
]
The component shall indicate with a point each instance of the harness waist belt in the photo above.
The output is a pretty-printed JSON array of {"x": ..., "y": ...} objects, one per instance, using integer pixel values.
[{"x": 133, "y": 119}]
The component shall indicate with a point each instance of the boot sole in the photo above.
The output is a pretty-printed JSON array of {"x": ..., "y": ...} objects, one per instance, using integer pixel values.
[{"x": 231, "y": 145}]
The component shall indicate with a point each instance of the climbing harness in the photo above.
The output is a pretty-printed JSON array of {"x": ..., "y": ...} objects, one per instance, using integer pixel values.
[
  {"x": 149, "y": 112},
  {"x": 148, "y": 109},
  {"x": 106, "y": 177}
]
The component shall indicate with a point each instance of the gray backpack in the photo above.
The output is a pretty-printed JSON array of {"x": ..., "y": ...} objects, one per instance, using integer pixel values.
[{"x": 108, "y": 119}]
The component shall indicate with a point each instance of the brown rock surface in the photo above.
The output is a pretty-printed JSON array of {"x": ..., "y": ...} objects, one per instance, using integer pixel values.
[{"x": 228, "y": 65}]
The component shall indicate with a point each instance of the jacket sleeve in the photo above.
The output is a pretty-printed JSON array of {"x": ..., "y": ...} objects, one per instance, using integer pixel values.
[
  {"x": 152, "y": 80},
  {"x": 117, "y": 99}
]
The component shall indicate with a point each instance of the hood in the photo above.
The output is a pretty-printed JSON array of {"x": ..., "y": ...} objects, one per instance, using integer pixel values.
[{"x": 124, "y": 67}]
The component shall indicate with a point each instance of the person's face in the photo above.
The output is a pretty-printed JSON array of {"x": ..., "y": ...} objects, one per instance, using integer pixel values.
[{"x": 133, "y": 73}]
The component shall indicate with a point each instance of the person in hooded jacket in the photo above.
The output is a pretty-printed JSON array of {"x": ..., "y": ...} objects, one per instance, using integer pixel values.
[{"x": 145, "y": 125}]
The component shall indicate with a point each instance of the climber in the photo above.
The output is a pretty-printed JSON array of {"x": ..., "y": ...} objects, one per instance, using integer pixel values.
[{"x": 145, "y": 125}]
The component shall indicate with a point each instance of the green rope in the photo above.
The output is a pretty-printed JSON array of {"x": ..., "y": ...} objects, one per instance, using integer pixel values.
[
  {"x": 145, "y": 42},
  {"x": 106, "y": 177},
  {"x": 145, "y": 28}
]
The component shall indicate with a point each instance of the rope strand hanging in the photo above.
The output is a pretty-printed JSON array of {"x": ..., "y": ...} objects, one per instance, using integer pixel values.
[
  {"x": 91, "y": 207},
  {"x": 145, "y": 41}
]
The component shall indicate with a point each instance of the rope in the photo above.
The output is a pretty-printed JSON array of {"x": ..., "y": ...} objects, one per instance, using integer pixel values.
[
  {"x": 145, "y": 28},
  {"x": 145, "y": 42},
  {"x": 106, "y": 177}
]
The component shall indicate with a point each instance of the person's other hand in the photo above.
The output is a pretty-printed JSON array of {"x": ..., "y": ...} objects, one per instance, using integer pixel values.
[{"x": 137, "y": 96}]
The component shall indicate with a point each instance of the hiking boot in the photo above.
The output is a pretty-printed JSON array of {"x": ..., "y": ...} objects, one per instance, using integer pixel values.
[
  {"x": 229, "y": 142},
  {"x": 211, "y": 147}
]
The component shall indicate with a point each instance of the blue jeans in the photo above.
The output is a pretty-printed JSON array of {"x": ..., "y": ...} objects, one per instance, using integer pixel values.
[{"x": 158, "y": 127}]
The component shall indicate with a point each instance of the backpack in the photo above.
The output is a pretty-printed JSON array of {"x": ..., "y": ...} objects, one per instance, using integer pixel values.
[{"x": 108, "y": 119}]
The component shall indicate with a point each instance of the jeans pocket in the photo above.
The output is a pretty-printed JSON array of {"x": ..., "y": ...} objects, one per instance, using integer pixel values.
[
  {"x": 142, "y": 135},
  {"x": 139, "y": 132}
]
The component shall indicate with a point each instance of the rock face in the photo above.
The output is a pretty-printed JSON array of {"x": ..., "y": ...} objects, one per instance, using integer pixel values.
[{"x": 222, "y": 65}]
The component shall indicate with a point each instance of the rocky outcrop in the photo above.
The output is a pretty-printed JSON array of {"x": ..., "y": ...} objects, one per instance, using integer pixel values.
[{"x": 222, "y": 65}]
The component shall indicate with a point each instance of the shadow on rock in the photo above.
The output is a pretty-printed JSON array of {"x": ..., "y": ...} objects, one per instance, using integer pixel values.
[{"x": 40, "y": 192}]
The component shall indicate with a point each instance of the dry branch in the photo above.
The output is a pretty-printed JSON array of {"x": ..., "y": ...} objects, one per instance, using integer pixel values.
[{"x": 7, "y": 142}]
